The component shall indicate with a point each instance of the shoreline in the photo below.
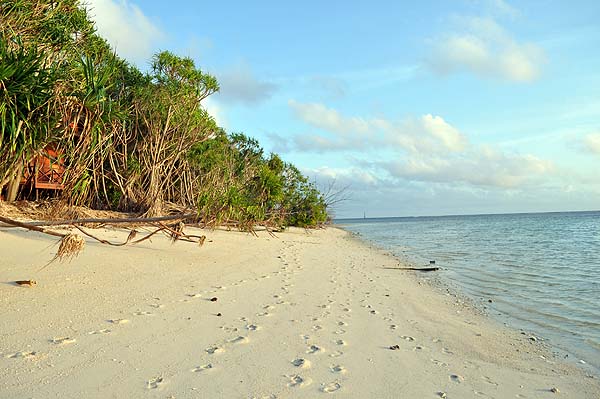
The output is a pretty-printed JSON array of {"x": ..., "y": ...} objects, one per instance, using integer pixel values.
[
  {"x": 302, "y": 314},
  {"x": 444, "y": 284}
]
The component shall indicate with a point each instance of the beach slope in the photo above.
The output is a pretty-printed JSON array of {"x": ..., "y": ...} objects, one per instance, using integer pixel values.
[{"x": 303, "y": 314}]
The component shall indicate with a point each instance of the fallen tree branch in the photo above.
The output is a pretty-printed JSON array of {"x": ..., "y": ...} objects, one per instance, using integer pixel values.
[
  {"x": 72, "y": 222},
  {"x": 16, "y": 223}
]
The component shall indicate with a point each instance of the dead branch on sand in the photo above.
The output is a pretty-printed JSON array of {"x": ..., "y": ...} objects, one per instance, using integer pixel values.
[{"x": 72, "y": 244}]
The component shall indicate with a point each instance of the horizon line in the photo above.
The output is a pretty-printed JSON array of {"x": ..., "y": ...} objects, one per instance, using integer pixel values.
[{"x": 467, "y": 214}]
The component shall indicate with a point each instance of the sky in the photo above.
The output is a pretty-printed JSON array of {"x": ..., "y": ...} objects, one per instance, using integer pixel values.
[{"x": 436, "y": 108}]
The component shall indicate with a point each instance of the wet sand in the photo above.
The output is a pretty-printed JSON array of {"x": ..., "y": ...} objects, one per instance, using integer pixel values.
[{"x": 298, "y": 315}]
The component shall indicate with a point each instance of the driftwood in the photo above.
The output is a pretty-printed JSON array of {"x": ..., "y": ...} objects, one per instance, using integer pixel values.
[
  {"x": 73, "y": 222},
  {"x": 418, "y": 269},
  {"x": 72, "y": 244}
]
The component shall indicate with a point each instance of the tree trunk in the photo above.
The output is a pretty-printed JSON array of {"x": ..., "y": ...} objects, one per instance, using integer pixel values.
[{"x": 13, "y": 184}]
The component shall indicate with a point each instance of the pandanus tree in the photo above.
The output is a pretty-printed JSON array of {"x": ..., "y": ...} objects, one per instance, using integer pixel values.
[{"x": 169, "y": 120}]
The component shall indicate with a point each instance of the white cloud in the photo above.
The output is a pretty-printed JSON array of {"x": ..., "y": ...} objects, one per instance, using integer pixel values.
[
  {"x": 592, "y": 142},
  {"x": 482, "y": 166},
  {"x": 424, "y": 149},
  {"x": 502, "y": 8},
  {"x": 428, "y": 133},
  {"x": 240, "y": 85},
  {"x": 123, "y": 24},
  {"x": 485, "y": 48}
]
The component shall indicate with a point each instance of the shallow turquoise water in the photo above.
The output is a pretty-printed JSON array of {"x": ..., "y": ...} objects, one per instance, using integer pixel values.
[{"x": 542, "y": 270}]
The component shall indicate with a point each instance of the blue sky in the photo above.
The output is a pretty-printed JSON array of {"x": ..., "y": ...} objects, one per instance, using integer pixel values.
[{"x": 441, "y": 107}]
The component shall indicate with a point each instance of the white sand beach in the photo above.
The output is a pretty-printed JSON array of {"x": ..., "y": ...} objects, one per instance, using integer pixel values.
[{"x": 299, "y": 315}]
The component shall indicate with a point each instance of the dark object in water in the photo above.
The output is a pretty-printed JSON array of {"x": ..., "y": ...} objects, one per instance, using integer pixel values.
[
  {"x": 432, "y": 262},
  {"x": 213, "y": 299},
  {"x": 394, "y": 347},
  {"x": 418, "y": 269}
]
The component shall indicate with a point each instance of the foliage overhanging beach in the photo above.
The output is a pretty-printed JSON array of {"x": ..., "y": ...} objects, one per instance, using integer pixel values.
[{"x": 129, "y": 140}]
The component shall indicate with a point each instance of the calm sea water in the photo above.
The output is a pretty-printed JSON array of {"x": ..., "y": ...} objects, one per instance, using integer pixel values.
[{"x": 541, "y": 270}]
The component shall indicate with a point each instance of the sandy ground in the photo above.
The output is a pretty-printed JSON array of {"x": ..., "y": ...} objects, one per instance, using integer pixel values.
[{"x": 300, "y": 315}]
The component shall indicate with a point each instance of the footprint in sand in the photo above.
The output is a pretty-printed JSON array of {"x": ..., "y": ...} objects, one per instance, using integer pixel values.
[
  {"x": 118, "y": 321},
  {"x": 489, "y": 380},
  {"x": 300, "y": 362},
  {"x": 336, "y": 354},
  {"x": 264, "y": 314},
  {"x": 331, "y": 387},
  {"x": 22, "y": 355},
  {"x": 252, "y": 327},
  {"x": 374, "y": 312},
  {"x": 214, "y": 350},
  {"x": 336, "y": 368},
  {"x": 239, "y": 340},
  {"x": 298, "y": 381},
  {"x": 457, "y": 378},
  {"x": 342, "y": 323},
  {"x": 154, "y": 383},
  {"x": 194, "y": 295},
  {"x": 317, "y": 328},
  {"x": 157, "y": 305},
  {"x": 62, "y": 340},
  {"x": 393, "y": 327},
  {"x": 340, "y": 331},
  {"x": 340, "y": 342},
  {"x": 202, "y": 368},
  {"x": 407, "y": 338},
  {"x": 103, "y": 331},
  {"x": 314, "y": 349},
  {"x": 143, "y": 313}
]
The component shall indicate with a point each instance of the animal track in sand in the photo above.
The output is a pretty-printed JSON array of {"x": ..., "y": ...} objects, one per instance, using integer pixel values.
[
  {"x": 336, "y": 354},
  {"x": 298, "y": 381},
  {"x": 317, "y": 328},
  {"x": 300, "y": 362},
  {"x": 157, "y": 305},
  {"x": 457, "y": 378},
  {"x": 264, "y": 314},
  {"x": 252, "y": 327},
  {"x": 118, "y": 321},
  {"x": 439, "y": 363},
  {"x": 143, "y": 313},
  {"x": 314, "y": 349},
  {"x": 62, "y": 340},
  {"x": 407, "y": 338},
  {"x": 340, "y": 342},
  {"x": 342, "y": 323},
  {"x": 202, "y": 368},
  {"x": 22, "y": 355},
  {"x": 213, "y": 350},
  {"x": 393, "y": 327},
  {"x": 194, "y": 295},
  {"x": 103, "y": 331},
  {"x": 374, "y": 312},
  {"x": 331, "y": 387},
  {"x": 155, "y": 382},
  {"x": 239, "y": 340},
  {"x": 336, "y": 368},
  {"x": 340, "y": 331}
]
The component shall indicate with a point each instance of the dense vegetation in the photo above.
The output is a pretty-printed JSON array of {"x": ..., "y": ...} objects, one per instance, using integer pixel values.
[{"x": 131, "y": 141}]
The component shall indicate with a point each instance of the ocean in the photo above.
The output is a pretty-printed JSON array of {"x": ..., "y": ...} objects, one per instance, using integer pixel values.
[{"x": 541, "y": 270}]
